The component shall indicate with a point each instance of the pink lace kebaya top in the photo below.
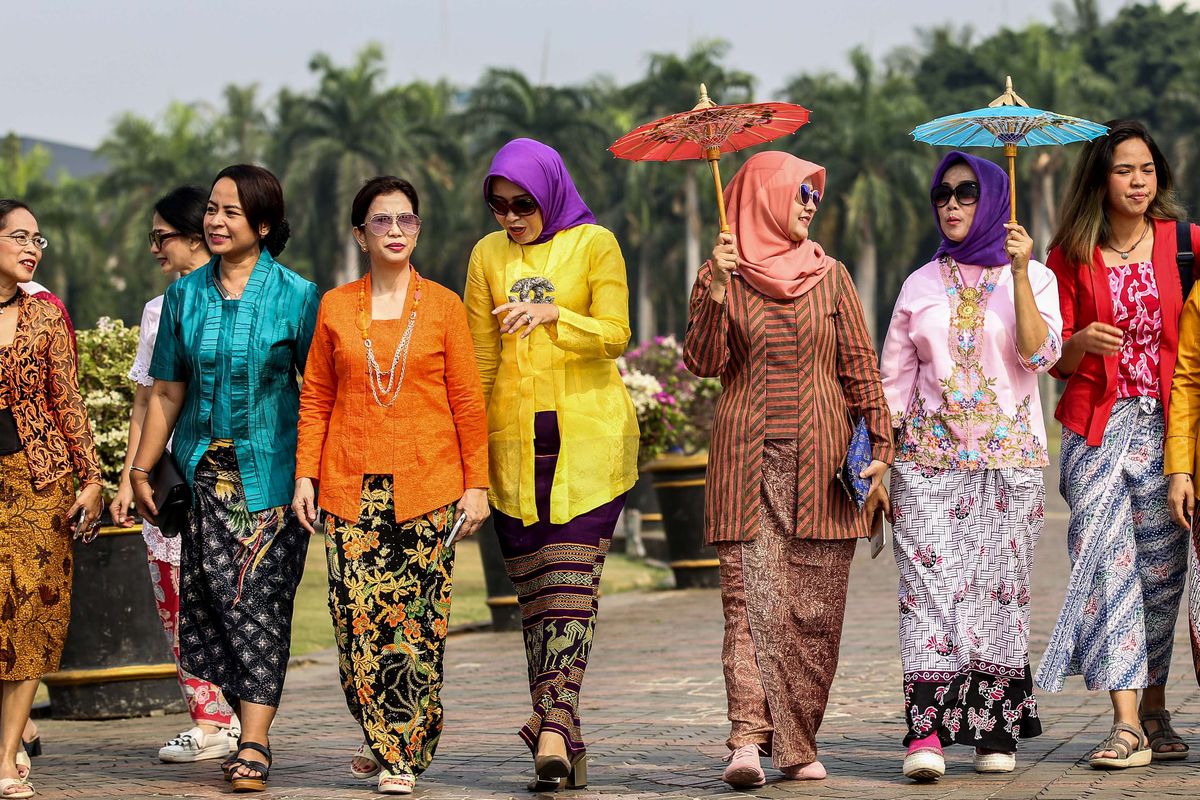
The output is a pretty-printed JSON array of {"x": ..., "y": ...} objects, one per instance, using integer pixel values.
[
  {"x": 1138, "y": 313},
  {"x": 962, "y": 395}
]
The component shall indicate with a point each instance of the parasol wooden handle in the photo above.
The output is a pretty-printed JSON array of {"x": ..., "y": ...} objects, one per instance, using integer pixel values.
[
  {"x": 1010, "y": 151},
  {"x": 713, "y": 154}
]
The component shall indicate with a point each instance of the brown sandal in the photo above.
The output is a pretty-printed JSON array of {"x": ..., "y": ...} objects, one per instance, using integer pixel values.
[
  {"x": 1163, "y": 735},
  {"x": 1127, "y": 756}
]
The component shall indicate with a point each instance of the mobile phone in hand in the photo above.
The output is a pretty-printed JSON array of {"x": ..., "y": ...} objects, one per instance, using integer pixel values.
[{"x": 449, "y": 540}]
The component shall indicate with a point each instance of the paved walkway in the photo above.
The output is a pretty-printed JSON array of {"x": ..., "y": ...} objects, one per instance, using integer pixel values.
[{"x": 654, "y": 717}]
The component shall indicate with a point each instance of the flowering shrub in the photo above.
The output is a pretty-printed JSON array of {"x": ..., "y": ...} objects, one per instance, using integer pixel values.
[
  {"x": 676, "y": 408},
  {"x": 105, "y": 355}
]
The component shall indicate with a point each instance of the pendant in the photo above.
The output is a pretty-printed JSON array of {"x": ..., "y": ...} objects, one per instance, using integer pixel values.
[
  {"x": 1123, "y": 255},
  {"x": 970, "y": 295},
  {"x": 968, "y": 309}
]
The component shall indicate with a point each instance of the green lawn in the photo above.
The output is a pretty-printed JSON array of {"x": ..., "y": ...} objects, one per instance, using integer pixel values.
[{"x": 312, "y": 629}]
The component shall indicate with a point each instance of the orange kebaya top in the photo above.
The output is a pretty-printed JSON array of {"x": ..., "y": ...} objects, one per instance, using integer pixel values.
[{"x": 433, "y": 441}]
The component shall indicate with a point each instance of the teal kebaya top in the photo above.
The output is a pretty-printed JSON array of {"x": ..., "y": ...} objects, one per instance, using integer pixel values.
[{"x": 241, "y": 361}]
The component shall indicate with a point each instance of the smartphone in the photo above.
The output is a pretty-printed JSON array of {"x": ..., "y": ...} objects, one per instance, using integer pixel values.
[{"x": 454, "y": 531}]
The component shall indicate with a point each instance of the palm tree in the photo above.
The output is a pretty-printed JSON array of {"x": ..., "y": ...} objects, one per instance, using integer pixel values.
[{"x": 877, "y": 175}]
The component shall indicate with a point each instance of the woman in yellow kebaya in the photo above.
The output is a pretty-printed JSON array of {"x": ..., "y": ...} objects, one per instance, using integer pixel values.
[{"x": 548, "y": 307}]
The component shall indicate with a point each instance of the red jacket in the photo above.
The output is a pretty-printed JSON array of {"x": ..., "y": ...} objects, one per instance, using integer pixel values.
[{"x": 1085, "y": 297}]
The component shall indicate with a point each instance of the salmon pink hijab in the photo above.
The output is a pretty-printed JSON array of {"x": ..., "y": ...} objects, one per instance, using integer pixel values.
[{"x": 759, "y": 203}]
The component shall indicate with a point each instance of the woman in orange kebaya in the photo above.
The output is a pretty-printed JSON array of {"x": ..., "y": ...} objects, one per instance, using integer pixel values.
[{"x": 394, "y": 433}]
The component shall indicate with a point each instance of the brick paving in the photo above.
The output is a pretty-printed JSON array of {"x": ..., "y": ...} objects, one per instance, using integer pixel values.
[{"x": 654, "y": 717}]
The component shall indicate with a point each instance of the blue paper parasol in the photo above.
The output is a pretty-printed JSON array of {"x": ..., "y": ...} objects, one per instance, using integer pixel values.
[{"x": 1007, "y": 121}]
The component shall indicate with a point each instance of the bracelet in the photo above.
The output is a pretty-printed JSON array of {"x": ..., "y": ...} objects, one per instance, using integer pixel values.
[{"x": 138, "y": 469}]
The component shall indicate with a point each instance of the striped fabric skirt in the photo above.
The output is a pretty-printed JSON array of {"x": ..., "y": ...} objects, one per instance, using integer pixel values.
[
  {"x": 964, "y": 542},
  {"x": 1117, "y": 624},
  {"x": 556, "y": 571}
]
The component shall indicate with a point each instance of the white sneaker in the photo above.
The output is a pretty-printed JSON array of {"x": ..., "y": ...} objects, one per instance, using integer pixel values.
[
  {"x": 196, "y": 745},
  {"x": 995, "y": 762},
  {"x": 924, "y": 765}
]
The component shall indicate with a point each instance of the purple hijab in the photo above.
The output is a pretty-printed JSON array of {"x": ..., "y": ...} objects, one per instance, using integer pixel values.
[
  {"x": 984, "y": 245},
  {"x": 539, "y": 170}
]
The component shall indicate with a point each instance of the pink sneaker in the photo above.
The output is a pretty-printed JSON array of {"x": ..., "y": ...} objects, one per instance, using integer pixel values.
[
  {"x": 925, "y": 761},
  {"x": 744, "y": 770},
  {"x": 812, "y": 771}
]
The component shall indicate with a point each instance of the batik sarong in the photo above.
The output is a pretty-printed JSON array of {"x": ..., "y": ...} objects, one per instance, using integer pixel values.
[
  {"x": 964, "y": 543},
  {"x": 389, "y": 594},
  {"x": 1194, "y": 593},
  {"x": 238, "y": 577},
  {"x": 784, "y": 600},
  {"x": 556, "y": 571},
  {"x": 1128, "y": 558}
]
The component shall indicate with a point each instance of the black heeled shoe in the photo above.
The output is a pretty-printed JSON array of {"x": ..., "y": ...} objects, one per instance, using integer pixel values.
[{"x": 33, "y": 748}]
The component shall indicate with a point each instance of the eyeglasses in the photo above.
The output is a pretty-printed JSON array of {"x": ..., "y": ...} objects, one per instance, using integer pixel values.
[
  {"x": 966, "y": 193},
  {"x": 522, "y": 206},
  {"x": 23, "y": 239},
  {"x": 380, "y": 224},
  {"x": 158, "y": 237},
  {"x": 807, "y": 194}
]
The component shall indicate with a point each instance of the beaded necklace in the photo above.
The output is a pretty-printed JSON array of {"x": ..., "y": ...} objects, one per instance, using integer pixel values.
[{"x": 385, "y": 384}]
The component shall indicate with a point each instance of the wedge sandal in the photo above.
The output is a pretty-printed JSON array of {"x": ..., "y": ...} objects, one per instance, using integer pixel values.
[
  {"x": 25, "y": 788},
  {"x": 1127, "y": 754},
  {"x": 262, "y": 771},
  {"x": 1162, "y": 736}
]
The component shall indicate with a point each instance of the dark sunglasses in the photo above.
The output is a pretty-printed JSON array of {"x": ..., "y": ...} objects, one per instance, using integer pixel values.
[
  {"x": 380, "y": 224},
  {"x": 807, "y": 194},
  {"x": 522, "y": 206},
  {"x": 158, "y": 237},
  {"x": 966, "y": 193}
]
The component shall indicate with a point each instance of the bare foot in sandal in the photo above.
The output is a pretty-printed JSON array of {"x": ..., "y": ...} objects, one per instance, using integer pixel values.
[
  {"x": 1164, "y": 741},
  {"x": 1125, "y": 747}
]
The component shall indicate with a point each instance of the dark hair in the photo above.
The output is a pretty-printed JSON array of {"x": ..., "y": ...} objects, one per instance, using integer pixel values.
[
  {"x": 262, "y": 201},
  {"x": 183, "y": 209},
  {"x": 1083, "y": 222},
  {"x": 384, "y": 184},
  {"x": 9, "y": 205}
]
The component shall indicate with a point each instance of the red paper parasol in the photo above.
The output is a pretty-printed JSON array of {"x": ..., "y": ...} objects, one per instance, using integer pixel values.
[{"x": 707, "y": 131}]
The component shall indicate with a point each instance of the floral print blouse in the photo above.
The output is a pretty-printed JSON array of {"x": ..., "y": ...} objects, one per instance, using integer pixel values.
[
  {"x": 959, "y": 390},
  {"x": 1137, "y": 311},
  {"x": 38, "y": 381}
]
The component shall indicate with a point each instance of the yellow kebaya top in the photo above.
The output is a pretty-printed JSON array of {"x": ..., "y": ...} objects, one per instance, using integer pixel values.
[{"x": 568, "y": 367}]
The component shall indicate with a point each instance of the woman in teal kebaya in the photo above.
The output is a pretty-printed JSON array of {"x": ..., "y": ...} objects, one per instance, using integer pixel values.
[{"x": 233, "y": 338}]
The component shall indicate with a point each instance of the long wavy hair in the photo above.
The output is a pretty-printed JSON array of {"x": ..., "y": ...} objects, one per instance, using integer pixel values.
[{"x": 1083, "y": 221}]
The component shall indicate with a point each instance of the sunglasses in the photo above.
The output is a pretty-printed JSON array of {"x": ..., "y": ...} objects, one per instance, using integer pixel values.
[
  {"x": 966, "y": 193},
  {"x": 807, "y": 194},
  {"x": 158, "y": 237},
  {"x": 380, "y": 224},
  {"x": 522, "y": 206}
]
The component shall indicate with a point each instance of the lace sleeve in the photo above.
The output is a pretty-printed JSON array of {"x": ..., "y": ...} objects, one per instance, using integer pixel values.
[{"x": 139, "y": 373}]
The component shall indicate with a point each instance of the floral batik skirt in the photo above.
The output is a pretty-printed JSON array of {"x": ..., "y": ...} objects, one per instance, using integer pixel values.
[
  {"x": 964, "y": 544},
  {"x": 1128, "y": 558},
  {"x": 35, "y": 571},
  {"x": 389, "y": 594},
  {"x": 238, "y": 577},
  {"x": 556, "y": 571}
]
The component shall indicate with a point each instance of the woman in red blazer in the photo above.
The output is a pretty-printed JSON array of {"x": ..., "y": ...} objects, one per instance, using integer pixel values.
[{"x": 1121, "y": 296}]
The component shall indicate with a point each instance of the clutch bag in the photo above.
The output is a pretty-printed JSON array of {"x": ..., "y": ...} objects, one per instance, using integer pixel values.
[
  {"x": 172, "y": 496},
  {"x": 858, "y": 458}
]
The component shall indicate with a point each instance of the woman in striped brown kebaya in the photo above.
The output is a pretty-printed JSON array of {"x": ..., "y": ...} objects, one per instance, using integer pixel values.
[{"x": 781, "y": 324}]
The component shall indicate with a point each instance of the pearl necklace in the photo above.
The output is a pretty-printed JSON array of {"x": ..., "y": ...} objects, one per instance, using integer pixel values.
[{"x": 385, "y": 384}]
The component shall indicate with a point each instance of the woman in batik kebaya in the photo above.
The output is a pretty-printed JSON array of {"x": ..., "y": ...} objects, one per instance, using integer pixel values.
[
  {"x": 1121, "y": 297},
  {"x": 971, "y": 331},
  {"x": 393, "y": 432},
  {"x": 779, "y": 321},
  {"x": 548, "y": 306}
]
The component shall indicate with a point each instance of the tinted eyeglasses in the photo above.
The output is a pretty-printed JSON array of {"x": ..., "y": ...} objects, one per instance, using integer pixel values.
[
  {"x": 380, "y": 224},
  {"x": 158, "y": 237},
  {"x": 966, "y": 193},
  {"x": 807, "y": 194},
  {"x": 522, "y": 206}
]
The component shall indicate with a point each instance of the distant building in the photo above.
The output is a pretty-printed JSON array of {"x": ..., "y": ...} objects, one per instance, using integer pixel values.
[{"x": 78, "y": 162}]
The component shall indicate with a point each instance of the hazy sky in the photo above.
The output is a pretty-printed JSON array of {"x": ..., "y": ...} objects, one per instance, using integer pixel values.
[{"x": 74, "y": 65}]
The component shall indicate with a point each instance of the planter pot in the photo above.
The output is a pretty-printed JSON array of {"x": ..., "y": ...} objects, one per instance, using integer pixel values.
[
  {"x": 116, "y": 661},
  {"x": 679, "y": 485},
  {"x": 502, "y": 596}
]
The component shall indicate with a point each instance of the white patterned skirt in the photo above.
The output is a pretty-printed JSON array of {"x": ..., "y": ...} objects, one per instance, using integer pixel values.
[{"x": 964, "y": 544}]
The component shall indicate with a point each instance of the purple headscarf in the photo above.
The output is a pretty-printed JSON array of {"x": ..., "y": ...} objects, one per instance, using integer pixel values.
[
  {"x": 984, "y": 245},
  {"x": 539, "y": 170}
]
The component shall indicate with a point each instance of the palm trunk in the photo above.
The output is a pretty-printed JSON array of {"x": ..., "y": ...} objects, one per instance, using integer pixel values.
[
  {"x": 1044, "y": 216},
  {"x": 349, "y": 269},
  {"x": 645, "y": 303},
  {"x": 866, "y": 277},
  {"x": 691, "y": 210}
]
